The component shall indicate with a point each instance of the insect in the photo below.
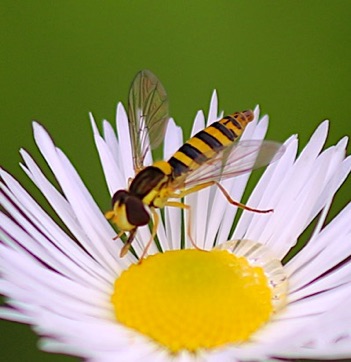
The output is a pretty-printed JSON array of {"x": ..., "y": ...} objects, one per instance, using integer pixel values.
[{"x": 209, "y": 156}]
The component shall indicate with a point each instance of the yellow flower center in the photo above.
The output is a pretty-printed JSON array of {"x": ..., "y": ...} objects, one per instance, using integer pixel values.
[{"x": 192, "y": 299}]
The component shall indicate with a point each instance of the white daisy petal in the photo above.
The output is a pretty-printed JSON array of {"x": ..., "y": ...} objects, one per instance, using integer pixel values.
[
  {"x": 191, "y": 200},
  {"x": 307, "y": 266},
  {"x": 55, "y": 289},
  {"x": 111, "y": 140},
  {"x": 53, "y": 257},
  {"x": 335, "y": 181},
  {"x": 213, "y": 111},
  {"x": 328, "y": 337},
  {"x": 173, "y": 140},
  {"x": 62, "y": 208},
  {"x": 199, "y": 123},
  {"x": 268, "y": 190},
  {"x": 161, "y": 231},
  {"x": 315, "y": 144},
  {"x": 19, "y": 316},
  {"x": 113, "y": 175},
  {"x": 125, "y": 148},
  {"x": 292, "y": 191}
]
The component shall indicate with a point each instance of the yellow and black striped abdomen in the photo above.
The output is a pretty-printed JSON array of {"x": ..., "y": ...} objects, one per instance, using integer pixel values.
[{"x": 208, "y": 142}]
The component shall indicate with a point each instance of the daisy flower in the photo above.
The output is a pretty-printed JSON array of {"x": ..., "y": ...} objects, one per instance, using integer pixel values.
[{"x": 82, "y": 299}]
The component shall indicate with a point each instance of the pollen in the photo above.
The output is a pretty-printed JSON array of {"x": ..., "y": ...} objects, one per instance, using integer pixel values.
[{"x": 193, "y": 299}]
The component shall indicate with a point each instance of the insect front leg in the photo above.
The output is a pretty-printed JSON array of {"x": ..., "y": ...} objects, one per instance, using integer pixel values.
[
  {"x": 155, "y": 220},
  {"x": 128, "y": 243},
  {"x": 119, "y": 235}
]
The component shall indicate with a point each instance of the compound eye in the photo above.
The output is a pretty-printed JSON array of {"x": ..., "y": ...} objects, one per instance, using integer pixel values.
[
  {"x": 136, "y": 212},
  {"x": 119, "y": 197}
]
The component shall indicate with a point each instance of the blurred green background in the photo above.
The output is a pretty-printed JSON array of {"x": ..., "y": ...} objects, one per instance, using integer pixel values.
[{"x": 62, "y": 59}]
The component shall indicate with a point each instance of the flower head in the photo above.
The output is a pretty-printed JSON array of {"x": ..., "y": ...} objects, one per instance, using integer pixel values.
[{"x": 62, "y": 283}]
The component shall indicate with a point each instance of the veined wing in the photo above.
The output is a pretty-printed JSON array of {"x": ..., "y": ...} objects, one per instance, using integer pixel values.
[
  {"x": 237, "y": 159},
  {"x": 147, "y": 115}
]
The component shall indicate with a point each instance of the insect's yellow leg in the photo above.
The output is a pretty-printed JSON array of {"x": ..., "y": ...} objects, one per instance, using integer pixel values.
[
  {"x": 109, "y": 214},
  {"x": 119, "y": 235},
  {"x": 128, "y": 243},
  {"x": 192, "y": 190},
  {"x": 188, "y": 209},
  {"x": 177, "y": 204},
  {"x": 239, "y": 204},
  {"x": 153, "y": 233},
  {"x": 225, "y": 193}
]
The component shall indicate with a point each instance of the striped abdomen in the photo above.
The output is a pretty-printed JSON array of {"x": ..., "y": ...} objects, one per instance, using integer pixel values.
[{"x": 208, "y": 142}]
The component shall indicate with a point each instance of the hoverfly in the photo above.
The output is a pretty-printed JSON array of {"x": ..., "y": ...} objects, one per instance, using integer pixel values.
[{"x": 209, "y": 156}]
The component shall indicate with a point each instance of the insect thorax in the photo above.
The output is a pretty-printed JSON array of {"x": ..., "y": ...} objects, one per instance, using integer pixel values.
[{"x": 149, "y": 185}]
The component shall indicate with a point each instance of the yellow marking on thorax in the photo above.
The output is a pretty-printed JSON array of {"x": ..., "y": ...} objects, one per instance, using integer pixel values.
[
  {"x": 157, "y": 196},
  {"x": 149, "y": 198}
]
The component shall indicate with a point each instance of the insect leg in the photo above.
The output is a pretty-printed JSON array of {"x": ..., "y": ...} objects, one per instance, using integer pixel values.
[
  {"x": 225, "y": 193},
  {"x": 192, "y": 190},
  {"x": 109, "y": 214},
  {"x": 188, "y": 209},
  {"x": 153, "y": 233},
  {"x": 239, "y": 204},
  {"x": 119, "y": 235},
  {"x": 128, "y": 243}
]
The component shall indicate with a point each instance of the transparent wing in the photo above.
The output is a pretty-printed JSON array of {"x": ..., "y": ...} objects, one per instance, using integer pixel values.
[
  {"x": 239, "y": 158},
  {"x": 147, "y": 115}
]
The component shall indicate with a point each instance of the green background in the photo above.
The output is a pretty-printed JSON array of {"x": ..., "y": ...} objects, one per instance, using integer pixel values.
[{"x": 62, "y": 59}]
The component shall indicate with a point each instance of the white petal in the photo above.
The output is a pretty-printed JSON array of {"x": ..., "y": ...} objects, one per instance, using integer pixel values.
[
  {"x": 327, "y": 337},
  {"x": 110, "y": 163},
  {"x": 61, "y": 207},
  {"x": 305, "y": 179},
  {"x": 111, "y": 140},
  {"x": 173, "y": 140},
  {"x": 191, "y": 200},
  {"x": 87, "y": 212},
  {"x": 213, "y": 111},
  {"x": 125, "y": 147},
  {"x": 199, "y": 123},
  {"x": 320, "y": 254}
]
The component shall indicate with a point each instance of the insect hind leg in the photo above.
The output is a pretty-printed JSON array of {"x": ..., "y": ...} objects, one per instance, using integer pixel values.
[
  {"x": 239, "y": 204},
  {"x": 224, "y": 192}
]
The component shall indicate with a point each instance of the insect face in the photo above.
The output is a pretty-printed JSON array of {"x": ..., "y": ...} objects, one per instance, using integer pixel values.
[{"x": 128, "y": 211}]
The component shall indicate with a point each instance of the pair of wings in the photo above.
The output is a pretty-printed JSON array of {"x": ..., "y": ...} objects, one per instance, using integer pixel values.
[{"x": 148, "y": 119}]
